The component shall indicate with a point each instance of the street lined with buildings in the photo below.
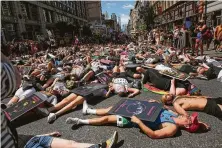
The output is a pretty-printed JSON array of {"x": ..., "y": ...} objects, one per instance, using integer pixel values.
[{"x": 101, "y": 78}]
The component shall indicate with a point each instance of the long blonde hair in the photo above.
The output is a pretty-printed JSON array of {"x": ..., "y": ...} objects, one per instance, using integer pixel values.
[{"x": 164, "y": 98}]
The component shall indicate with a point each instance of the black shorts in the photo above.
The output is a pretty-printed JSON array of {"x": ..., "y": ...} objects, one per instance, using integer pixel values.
[
  {"x": 212, "y": 108},
  {"x": 120, "y": 75},
  {"x": 131, "y": 71}
]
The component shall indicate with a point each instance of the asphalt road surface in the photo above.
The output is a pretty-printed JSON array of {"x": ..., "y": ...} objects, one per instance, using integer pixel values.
[{"x": 128, "y": 137}]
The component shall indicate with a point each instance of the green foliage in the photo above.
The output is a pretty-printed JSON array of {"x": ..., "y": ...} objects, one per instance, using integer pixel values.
[{"x": 147, "y": 13}]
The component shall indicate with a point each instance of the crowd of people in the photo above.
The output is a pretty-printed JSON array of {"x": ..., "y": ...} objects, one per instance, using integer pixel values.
[
  {"x": 192, "y": 38},
  {"x": 55, "y": 72}
]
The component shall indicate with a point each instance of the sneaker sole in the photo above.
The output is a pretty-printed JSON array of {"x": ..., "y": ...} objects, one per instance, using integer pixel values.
[
  {"x": 114, "y": 140},
  {"x": 50, "y": 121},
  {"x": 84, "y": 111}
]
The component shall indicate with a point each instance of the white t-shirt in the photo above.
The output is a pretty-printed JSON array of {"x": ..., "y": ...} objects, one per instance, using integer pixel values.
[{"x": 119, "y": 83}]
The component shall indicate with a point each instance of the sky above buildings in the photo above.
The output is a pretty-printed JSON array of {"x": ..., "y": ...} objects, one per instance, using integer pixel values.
[{"x": 120, "y": 8}]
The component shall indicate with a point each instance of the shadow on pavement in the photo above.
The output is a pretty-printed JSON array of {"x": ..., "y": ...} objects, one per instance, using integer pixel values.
[
  {"x": 26, "y": 119},
  {"x": 119, "y": 144}
]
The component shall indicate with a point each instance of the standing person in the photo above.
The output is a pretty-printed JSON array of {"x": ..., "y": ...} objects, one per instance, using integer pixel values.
[
  {"x": 182, "y": 39},
  {"x": 157, "y": 36},
  {"x": 200, "y": 29},
  {"x": 11, "y": 80},
  {"x": 176, "y": 36},
  {"x": 187, "y": 40},
  {"x": 207, "y": 36},
  {"x": 193, "y": 35},
  {"x": 218, "y": 37}
]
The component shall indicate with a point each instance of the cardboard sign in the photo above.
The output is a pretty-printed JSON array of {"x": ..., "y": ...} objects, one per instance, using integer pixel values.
[
  {"x": 175, "y": 74},
  {"x": 144, "y": 110},
  {"x": 24, "y": 106},
  {"x": 87, "y": 90}
]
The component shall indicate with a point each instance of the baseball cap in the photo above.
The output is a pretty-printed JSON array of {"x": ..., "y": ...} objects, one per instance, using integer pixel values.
[{"x": 195, "y": 124}]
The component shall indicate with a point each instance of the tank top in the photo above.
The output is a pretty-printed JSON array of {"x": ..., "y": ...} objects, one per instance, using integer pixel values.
[{"x": 164, "y": 116}]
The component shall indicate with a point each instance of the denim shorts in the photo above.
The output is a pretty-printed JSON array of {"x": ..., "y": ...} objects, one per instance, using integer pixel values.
[{"x": 39, "y": 142}]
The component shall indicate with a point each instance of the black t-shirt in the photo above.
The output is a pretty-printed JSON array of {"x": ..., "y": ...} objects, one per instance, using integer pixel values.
[
  {"x": 157, "y": 79},
  {"x": 98, "y": 93},
  {"x": 187, "y": 69},
  {"x": 163, "y": 82}
]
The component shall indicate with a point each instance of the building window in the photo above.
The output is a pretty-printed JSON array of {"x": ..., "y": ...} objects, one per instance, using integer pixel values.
[
  {"x": 190, "y": 9},
  {"x": 44, "y": 15},
  {"x": 34, "y": 12},
  {"x": 74, "y": 8},
  {"x": 9, "y": 31},
  {"x": 24, "y": 11},
  {"x": 6, "y": 9},
  {"x": 50, "y": 16}
]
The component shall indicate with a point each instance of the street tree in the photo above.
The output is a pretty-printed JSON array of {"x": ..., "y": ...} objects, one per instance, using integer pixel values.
[{"x": 148, "y": 15}]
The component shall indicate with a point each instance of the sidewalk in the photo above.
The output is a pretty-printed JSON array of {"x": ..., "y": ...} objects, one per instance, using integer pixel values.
[{"x": 211, "y": 52}]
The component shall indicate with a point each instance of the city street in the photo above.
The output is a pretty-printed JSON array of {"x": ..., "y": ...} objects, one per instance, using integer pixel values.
[
  {"x": 52, "y": 50},
  {"x": 130, "y": 137}
]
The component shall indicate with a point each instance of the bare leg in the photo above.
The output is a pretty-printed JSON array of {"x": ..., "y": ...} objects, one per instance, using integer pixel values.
[
  {"x": 104, "y": 111},
  {"x": 35, "y": 72},
  {"x": 95, "y": 121},
  {"x": 121, "y": 68},
  {"x": 115, "y": 69},
  {"x": 196, "y": 48},
  {"x": 77, "y": 101},
  {"x": 13, "y": 100},
  {"x": 103, "y": 120},
  {"x": 88, "y": 76},
  {"x": 58, "y": 143},
  {"x": 48, "y": 83},
  {"x": 201, "y": 49},
  {"x": 140, "y": 70},
  {"x": 64, "y": 102}
]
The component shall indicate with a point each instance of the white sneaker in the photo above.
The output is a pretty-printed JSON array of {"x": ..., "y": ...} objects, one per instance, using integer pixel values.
[
  {"x": 51, "y": 117},
  {"x": 84, "y": 108},
  {"x": 74, "y": 121}
]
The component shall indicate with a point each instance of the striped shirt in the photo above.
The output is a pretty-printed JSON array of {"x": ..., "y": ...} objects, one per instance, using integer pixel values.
[{"x": 8, "y": 87}]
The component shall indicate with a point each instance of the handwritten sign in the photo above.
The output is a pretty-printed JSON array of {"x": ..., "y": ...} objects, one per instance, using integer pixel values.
[
  {"x": 144, "y": 110},
  {"x": 24, "y": 106}
]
